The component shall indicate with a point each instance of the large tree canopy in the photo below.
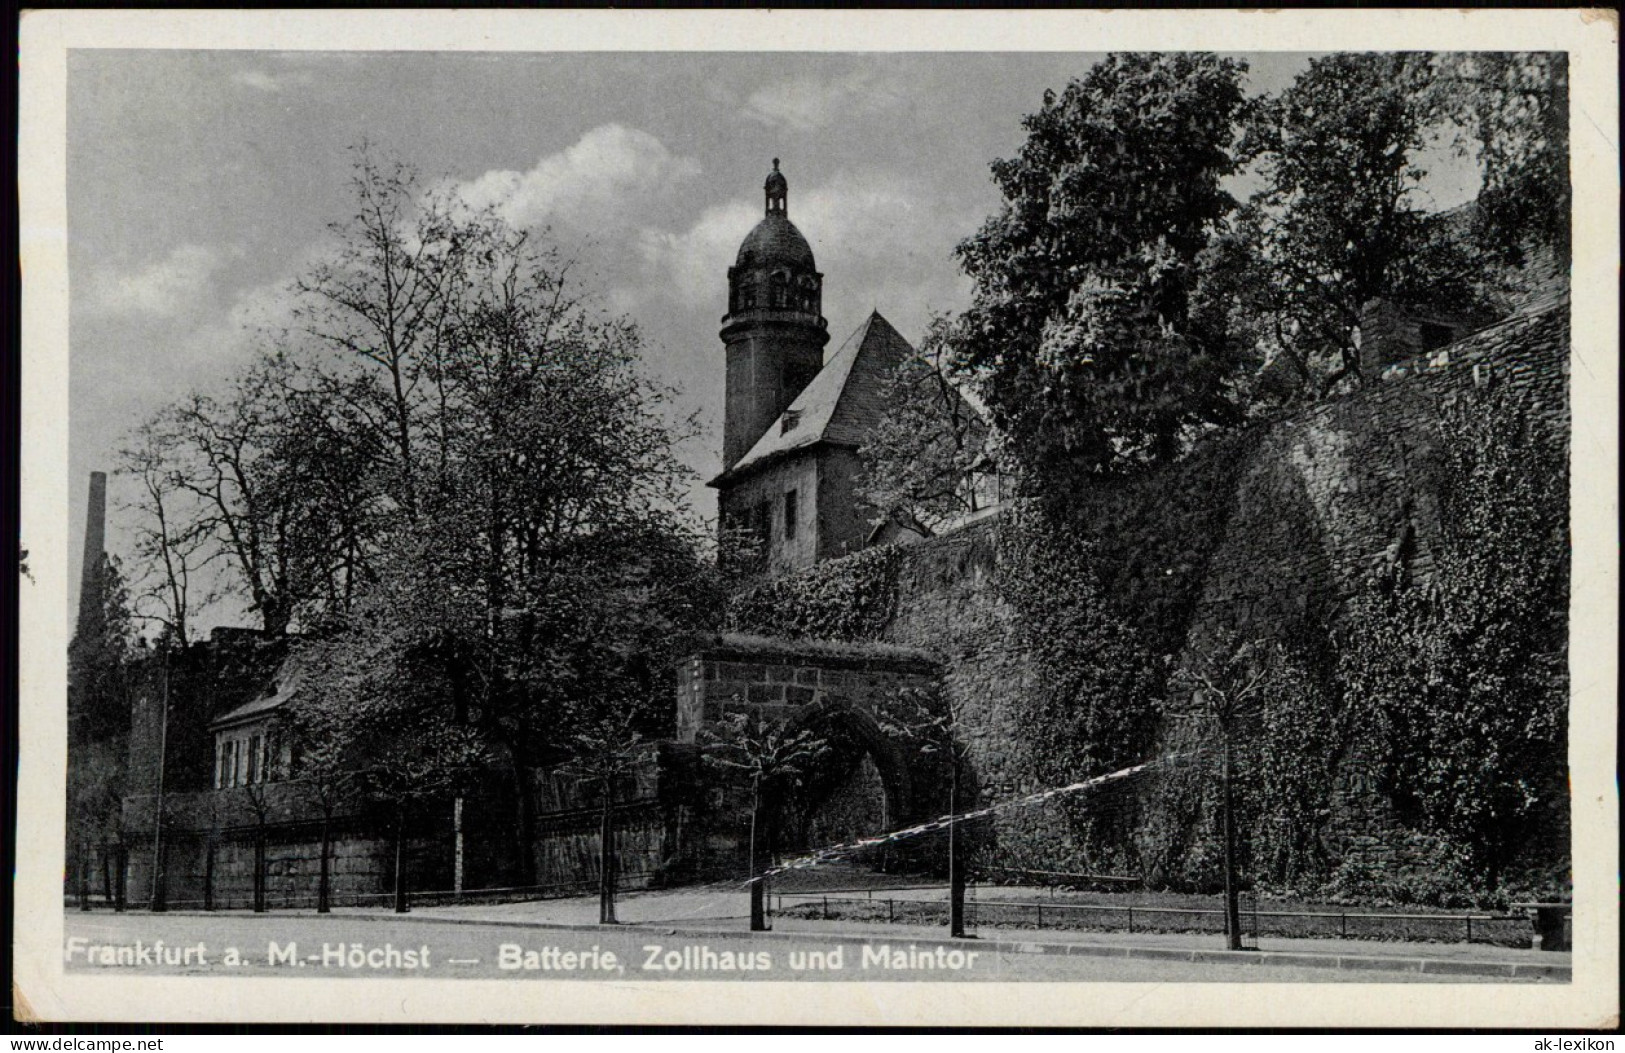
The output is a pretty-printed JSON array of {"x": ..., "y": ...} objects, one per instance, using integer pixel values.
[{"x": 1080, "y": 332}]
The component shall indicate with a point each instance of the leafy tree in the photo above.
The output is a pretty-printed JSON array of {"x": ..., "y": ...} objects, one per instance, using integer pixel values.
[
  {"x": 1515, "y": 107},
  {"x": 383, "y": 303},
  {"x": 771, "y": 757},
  {"x": 368, "y": 709},
  {"x": 103, "y": 663},
  {"x": 1080, "y": 335},
  {"x": 930, "y": 449},
  {"x": 1340, "y": 222},
  {"x": 321, "y": 740},
  {"x": 932, "y": 723}
]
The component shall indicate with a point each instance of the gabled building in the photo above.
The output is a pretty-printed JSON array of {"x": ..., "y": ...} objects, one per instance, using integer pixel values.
[{"x": 794, "y": 423}]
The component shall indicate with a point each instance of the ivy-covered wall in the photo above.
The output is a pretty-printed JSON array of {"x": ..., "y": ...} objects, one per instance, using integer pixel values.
[{"x": 1274, "y": 534}]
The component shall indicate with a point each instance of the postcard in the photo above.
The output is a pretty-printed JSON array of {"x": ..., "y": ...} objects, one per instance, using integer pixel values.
[{"x": 1005, "y": 518}]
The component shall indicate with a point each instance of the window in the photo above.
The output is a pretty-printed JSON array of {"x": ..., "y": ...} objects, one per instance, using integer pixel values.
[
  {"x": 789, "y": 514},
  {"x": 256, "y": 766},
  {"x": 222, "y": 766}
]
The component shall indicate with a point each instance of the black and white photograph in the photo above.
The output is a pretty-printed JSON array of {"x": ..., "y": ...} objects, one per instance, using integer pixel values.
[{"x": 1047, "y": 519}]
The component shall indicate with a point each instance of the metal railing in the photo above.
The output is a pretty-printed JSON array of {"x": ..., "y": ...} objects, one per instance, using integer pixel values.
[{"x": 1142, "y": 917}]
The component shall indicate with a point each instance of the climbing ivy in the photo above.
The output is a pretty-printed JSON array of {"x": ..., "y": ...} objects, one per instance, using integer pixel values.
[
  {"x": 1466, "y": 671},
  {"x": 852, "y": 598},
  {"x": 1091, "y": 706}
]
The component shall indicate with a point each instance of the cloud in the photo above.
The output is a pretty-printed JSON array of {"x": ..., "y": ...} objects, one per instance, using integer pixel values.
[
  {"x": 159, "y": 289},
  {"x": 695, "y": 262},
  {"x": 805, "y": 104},
  {"x": 595, "y": 182}
]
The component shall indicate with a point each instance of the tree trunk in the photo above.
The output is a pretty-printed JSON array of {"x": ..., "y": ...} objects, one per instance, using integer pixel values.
[
  {"x": 956, "y": 867},
  {"x": 606, "y": 860},
  {"x": 323, "y": 887},
  {"x": 524, "y": 822},
  {"x": 83, "y": 870},
  {"x": 208, "y": 873},
  {"x": 107, "y": 872},
  {"x": 1232, "y": 906},
  {"x": 121, "y": 876},
  {"x": 160, "y": 880},
  {"x": 400, "y": 862},
  {"x": 758, "y": 883},
  {"x": 259, "y": 868}
]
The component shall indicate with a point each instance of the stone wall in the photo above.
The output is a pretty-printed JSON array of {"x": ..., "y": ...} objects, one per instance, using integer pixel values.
[
  {"x": 1268, "y": 532},
  {"x": 778, "y": 679}
]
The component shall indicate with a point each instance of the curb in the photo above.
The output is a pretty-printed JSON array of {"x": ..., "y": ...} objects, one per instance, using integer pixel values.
[{"x": 1301, "y": 959}]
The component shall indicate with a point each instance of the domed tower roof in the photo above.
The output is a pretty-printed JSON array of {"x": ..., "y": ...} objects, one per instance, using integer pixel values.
[{"x": 775, "y": 240}]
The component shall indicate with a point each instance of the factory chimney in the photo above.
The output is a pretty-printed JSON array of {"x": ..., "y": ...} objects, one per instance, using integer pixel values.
[{"x": 90, "y": 571}]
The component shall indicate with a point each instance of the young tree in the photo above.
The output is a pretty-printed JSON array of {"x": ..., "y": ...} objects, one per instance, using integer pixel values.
[
  {"x": 930, "y": 721},
  {"x": 1225, "y": 684},
  {"x": 770, "y": 758},
  {"x": 1079, "y": 334},
  {"x": 931, "y": 447},
  {"x": 608, "y": 750},
  {"x": 171, "y": 544}
]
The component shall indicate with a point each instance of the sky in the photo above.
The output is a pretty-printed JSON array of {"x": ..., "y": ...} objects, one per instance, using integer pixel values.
[{"x": 201, "y": 183}]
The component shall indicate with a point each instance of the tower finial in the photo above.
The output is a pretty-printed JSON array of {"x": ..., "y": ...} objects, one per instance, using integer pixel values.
[{"x": 778, "y": 191}]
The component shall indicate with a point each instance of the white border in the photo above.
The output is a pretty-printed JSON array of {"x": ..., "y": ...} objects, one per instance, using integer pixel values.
[{"x": 46, "y": 992}]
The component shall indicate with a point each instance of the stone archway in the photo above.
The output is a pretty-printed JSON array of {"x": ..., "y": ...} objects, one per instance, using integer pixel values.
[{"x": 863, "y": 786}]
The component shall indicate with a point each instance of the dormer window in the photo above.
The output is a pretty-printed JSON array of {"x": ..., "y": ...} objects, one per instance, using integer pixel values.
[{"x": 788, "y": 422}]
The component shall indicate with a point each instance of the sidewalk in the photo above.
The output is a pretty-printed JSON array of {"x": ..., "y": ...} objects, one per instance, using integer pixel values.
[{"x": 725, "y": 910}]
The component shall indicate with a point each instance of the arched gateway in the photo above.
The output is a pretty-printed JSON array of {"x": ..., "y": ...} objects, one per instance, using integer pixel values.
[{"x": 857, "y": 698}]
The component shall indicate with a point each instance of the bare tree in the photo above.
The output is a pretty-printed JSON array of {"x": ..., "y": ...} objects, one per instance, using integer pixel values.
[{"x": 931, "y": 459}]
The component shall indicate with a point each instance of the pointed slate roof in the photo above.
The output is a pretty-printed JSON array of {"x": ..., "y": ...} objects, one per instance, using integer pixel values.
[{"x": 841, "y": 405}]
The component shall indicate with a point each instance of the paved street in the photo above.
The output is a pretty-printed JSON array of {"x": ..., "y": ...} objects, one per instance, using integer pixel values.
[{"x": 379, "y": 944}]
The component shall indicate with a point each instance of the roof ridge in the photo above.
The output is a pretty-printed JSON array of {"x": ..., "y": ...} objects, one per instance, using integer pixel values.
[{"x": 818, "y": 404}]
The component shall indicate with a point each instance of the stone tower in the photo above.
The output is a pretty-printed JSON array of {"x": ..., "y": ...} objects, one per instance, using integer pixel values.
[{"x": 774, "y": 331}]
